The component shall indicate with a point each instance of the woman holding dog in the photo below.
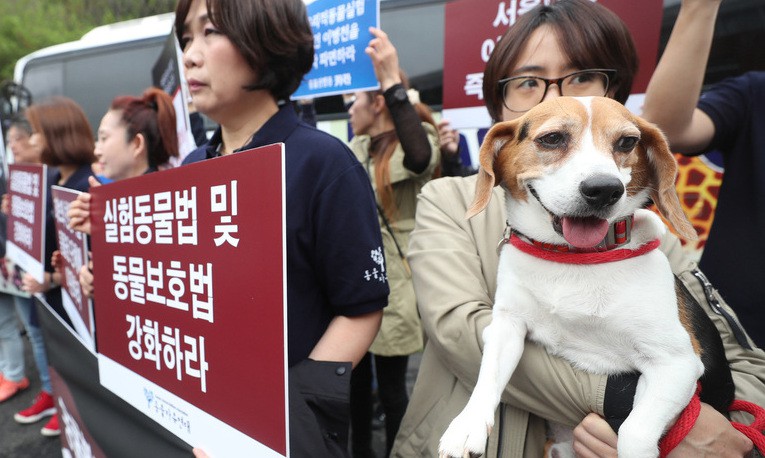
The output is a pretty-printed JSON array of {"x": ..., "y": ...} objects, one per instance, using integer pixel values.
[{"x": 454, "y": 265}]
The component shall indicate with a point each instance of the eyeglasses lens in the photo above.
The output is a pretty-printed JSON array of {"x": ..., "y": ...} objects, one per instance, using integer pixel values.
[{"x": 524, "y": 92}]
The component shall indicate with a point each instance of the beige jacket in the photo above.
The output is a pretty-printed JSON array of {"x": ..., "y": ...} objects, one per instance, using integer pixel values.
[
  {"x": 454, "y": 264},
  {"x": 400, "y": 332}
]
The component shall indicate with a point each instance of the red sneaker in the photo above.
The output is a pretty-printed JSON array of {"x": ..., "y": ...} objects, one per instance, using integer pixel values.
[
  {"x": 51, "y": 428},
  {"x": 8, "y": 388},
  {"x": 42, "y": 407}
]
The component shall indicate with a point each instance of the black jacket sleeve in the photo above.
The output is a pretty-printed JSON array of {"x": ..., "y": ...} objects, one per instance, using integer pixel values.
[{"x": 409, "y": 130}]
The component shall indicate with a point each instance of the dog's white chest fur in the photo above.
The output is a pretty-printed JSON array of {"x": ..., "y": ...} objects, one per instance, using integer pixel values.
[{"x": 579, "y": 311}]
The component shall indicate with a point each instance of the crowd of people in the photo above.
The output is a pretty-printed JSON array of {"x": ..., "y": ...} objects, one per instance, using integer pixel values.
[{"x": 399, "y": 187}]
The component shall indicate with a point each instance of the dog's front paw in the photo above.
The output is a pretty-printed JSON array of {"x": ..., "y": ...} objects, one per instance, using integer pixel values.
[
  {"x": 465, "y": 436},
  {"x": 635, "y": 442}
]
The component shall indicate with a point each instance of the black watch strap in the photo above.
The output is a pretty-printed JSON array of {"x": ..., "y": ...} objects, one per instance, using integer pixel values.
[{"x": 395, "y": 94}]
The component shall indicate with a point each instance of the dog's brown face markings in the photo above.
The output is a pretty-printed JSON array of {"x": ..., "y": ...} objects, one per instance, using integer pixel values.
[
  {"x": 546, "y": 137},
  {"x": 543, "y": 142},
  {"x": 657, "y": 173}
]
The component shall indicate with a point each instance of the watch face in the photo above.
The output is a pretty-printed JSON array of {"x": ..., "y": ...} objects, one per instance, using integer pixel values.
[{"x": 400, "y": 94}]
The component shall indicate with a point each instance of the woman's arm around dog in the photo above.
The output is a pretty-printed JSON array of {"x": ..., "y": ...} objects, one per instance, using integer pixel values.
[{"x": 711, "y": 436}]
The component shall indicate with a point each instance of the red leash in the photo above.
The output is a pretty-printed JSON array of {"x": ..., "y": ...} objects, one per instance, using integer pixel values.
[
  {"x": 754, "y": 431},
  {"x": 690, "y": 414},
  {"x": 682, "y": 426}
]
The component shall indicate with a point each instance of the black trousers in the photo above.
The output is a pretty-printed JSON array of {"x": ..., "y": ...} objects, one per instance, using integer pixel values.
[{"x": 391, "y": 388}]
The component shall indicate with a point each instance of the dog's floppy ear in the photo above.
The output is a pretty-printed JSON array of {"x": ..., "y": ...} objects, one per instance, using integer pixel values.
[
  {"x": 495, "y": 140},
  {"x": 663, "y": 171}
]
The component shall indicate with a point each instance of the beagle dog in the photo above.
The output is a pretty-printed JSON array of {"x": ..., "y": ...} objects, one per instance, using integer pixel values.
[{"x": 579, "y": 272}]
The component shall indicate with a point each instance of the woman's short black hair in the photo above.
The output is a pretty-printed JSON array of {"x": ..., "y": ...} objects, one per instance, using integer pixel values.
[
  {"x": 274, "y": 36},
  {"x": 590, "y": 34}
]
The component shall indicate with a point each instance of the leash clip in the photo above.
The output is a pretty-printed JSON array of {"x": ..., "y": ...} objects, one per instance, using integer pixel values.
[{"x": 505, "y": 237}]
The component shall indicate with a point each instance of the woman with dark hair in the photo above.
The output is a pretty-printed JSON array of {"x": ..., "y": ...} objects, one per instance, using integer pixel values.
[
  {"x": 63, "y": 137},
  {"x": 242, "y": 60},
  {"x": 587, "y": 34},
  {"x": 569, "y": 48},
  {"x": 396, "y": 141},
  {"x": 615, "y": 53}
]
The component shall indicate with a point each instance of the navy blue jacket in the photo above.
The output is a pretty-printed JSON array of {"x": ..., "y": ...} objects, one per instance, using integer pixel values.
[
  {"x": 332, "y": 229},
  {"x": 734, "y": 254}
]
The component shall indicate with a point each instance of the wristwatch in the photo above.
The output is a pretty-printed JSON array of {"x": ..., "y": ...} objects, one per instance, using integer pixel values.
[{"x": 395, "y": 94}]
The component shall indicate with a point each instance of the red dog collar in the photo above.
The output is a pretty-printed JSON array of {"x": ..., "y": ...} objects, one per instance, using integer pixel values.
[
  {"x": 619, "y": 234},
  {"x": 597, "y": 257}
]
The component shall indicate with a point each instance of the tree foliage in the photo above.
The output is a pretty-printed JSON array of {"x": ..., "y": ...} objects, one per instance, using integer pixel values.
[{"x": 28, "y": 25}]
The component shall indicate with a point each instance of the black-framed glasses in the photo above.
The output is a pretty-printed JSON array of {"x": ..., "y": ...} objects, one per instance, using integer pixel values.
[{"x": 522, "y": 93}]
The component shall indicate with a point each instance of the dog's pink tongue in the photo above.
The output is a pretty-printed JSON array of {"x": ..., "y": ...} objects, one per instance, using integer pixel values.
[{"x": 584, "y": 232}]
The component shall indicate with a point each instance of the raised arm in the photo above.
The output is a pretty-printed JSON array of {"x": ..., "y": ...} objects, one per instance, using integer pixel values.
[
  {"x": 675, "y": 86},
  {"x": 414, "y": 141}
]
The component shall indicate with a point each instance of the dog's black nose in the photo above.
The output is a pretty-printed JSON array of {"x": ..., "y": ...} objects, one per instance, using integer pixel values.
[{"x": 601, "y": 190}]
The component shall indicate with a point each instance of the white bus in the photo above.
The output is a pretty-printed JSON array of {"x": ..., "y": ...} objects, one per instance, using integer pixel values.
[{"x": 108, "y": 61}]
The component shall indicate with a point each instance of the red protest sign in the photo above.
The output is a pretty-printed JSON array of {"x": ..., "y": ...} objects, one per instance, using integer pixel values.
[
  {"x": 473, "y": 28},
  {"x": 27, "y": 188},
  {"x": 76, "y": 439},
  {"x": 190, "y": 301},
  {"x": 73, "y": 247}
]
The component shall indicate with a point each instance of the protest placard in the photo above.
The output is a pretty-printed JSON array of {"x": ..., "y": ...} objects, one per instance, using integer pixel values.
[
  {"x": 190, "y": 300},
  {"x": 73, "y": 249},
  {"x": 340, "y": 36},
  {"x": 25, "y": 245}
]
